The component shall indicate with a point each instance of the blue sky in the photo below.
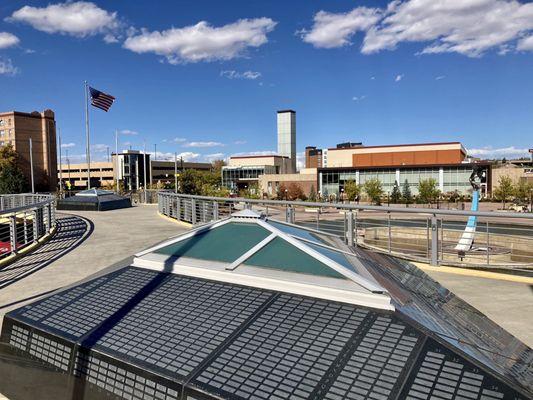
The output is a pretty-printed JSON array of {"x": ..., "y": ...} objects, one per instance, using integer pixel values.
[{"x": 376, "y": 72}]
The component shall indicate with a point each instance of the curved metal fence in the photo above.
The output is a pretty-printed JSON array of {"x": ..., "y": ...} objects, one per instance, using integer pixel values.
[
  {"x": 502, "y": 239},
  {"x": 24, "y": 219}
]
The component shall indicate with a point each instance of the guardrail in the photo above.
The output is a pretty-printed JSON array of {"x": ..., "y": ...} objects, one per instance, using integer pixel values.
[
  {"x": 502, "y": 239},
  {"x": 24, "y": 219}
]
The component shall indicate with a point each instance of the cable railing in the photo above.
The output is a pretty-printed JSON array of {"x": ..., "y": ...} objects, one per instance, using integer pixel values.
[
  {"x": 24, "y": 220},
  {"x": 501, "y": 239}
]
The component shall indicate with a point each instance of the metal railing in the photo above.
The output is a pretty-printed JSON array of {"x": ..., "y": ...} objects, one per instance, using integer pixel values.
[
  {"x": 24, "y": 219},
  {"x": 501, "y": 239}
]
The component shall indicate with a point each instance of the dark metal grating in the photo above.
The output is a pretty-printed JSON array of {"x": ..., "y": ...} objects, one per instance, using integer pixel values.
[
  {"x": 285, "y": 352},
  {"x": 140, "y": 334}
]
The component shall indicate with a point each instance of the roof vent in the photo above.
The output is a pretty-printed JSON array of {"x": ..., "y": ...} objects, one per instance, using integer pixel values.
[{"x": 246, "y": 214}]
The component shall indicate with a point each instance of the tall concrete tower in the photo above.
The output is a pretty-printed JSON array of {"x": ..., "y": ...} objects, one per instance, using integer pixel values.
[{"x": 287, "y": 135}]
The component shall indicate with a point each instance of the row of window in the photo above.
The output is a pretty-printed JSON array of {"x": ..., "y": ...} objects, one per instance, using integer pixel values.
[
  {"x": 5, "y": 121},
  {"x": 4, "y": 132}
]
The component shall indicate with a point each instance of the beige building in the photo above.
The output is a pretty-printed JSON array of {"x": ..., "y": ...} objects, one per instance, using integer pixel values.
[
  {"x": 306, "y": 179},
  {"x": 516, "y": 171},
  {"x": 102, "y": 174},
  {"x": 16, "y": 128}
]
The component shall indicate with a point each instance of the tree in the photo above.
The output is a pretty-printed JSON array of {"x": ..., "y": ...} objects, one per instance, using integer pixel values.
[
  {"x": 374, "y": 190},
  {"x": 295, "y": 192},
  {"x": 407, "y": 197},
  {"x": 428, "y": 191},
  {"x": 282, "y": 192},
  {"x": 12, "y": 180},
  {"x": 312, "y": 194},
  {"x": 396, "y": 195},
  {"x": 217, "y": 165},
  {"x": 522, "y": 190},
  {"x": 352, "y": 190},
  {"x": 505, "y": 189}
]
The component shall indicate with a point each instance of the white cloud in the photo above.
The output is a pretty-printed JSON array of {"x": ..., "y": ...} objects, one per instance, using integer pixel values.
[
  {"x": 179, "y": 140},
  {"x": 398, "y": 78},
  {"x": 468, "y": 27},
  {"x": 99, "y": 148},
  {"x": 359, "y": 98},
  {"x": 203, "y": 144},
  {"x": 255, "y": 153},
  {"x": 78, "y": 19},
  {"x": 335, "y": 30},
  {"x": 372, "y": 78},
  {"x": 67, "y": 145},
  {"x": 300, "y": 160},
  {"x": 213, "y": 157},
  {"x": 232, "y": 74},
  {"x": 128, "y": 132},
  {"x": 188, "y": 156},
  {"x": 240, "y": 142},
  {"x": 203, "y": 42},
  {"x": 440, "y": 77},
  {"x": 8, "y": 40},
  {"x": 490, "y": 152},
  {"x": 7, "y": 67},
  {"x": 525, "y": 44}
]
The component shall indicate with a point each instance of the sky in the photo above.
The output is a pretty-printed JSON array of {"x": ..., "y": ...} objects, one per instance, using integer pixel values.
[{"x": 205, "y": 78}]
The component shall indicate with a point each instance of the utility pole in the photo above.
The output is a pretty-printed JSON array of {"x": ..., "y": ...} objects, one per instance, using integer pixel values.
[
  {"x": 31, "y": 167},
  {"x": 176, "y": 172},
  {"x": 60, "y": 164},
  {"x": 68, "y": 165}
]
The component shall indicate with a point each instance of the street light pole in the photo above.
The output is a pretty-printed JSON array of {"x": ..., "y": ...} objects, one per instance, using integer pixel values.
[
  {"x": 176, "y": 172},
  {"x": 31, "y": 167}
]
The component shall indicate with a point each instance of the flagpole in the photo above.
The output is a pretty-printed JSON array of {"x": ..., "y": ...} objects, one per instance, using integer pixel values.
[
  {"x": 60, "y": 164},
  {"x": 116, "y": 155},
  {"x": 144, "y": 170},
  {"x": 88, "y": 151}
]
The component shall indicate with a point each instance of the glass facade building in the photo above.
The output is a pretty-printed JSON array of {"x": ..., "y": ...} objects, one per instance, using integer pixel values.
[
  {"x": 448, "y": 178},
  {"x": 234, "y": 177}
]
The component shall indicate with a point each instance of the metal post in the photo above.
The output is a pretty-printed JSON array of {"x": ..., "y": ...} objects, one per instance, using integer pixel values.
[
  {"x": 178, "y": 209},
  {"x": 488, "y": 243},
  {"x": 193, "y": 211},
  {"x": 289, "y": 216},
  {"x": 25, "y": 228},
  {"x": 355, "y": 227},
  {"x": 116, "y": 158},
  {"x": 434, "y": 241},
  {"x": 88, "y": 148},
  {"x": 31, "y": 168},
  {"x": 176, "y": 172},
  {"x": 60, "y": 163},
  {"x": 35, "y": 225},
  {"x": 427, "y": 238},
  {"x": 13, "y": 233},
  {"x": 145, "y": 183},
  {"x": 318, "y": 219},
  {"x": 349, "y": 228},
  {"x": 389, "y": 233},
  {"x": 215, "y": 210}
]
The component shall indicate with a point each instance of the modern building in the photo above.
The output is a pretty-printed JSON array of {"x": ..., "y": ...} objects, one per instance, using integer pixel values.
[
  {"x": 242, "y": 171},
  {"x": 245, "y": 170},
  {"x": 287, "y": 135},
  {"x": 269, "y": 184},
  {"x": 17, "y": 128},
  {"x": 445, "y": 162},
  {"x": 131, "y": 173},
  {"x": 516, "y": 170},
  {"x": 313, "y": 157}
]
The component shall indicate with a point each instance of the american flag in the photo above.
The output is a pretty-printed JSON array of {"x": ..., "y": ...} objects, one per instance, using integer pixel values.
[{"x": 101, "y": 100}]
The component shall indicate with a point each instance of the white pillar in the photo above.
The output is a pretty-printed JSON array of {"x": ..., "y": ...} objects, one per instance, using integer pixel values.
[
  {"x": 398, "y": 176},
  {"x": 441, "y": 179}
]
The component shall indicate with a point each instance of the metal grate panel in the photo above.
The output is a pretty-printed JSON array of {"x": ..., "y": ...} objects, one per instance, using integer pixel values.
[
  {"x": 443, "y": 375},
  {"x": 285, "y": 352},
  {"x": 50, "y": 351},
  {"x": 377, "y": 363}
]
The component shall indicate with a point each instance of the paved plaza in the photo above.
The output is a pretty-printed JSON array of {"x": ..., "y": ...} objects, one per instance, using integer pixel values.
[{"x": 88, "y": 242}]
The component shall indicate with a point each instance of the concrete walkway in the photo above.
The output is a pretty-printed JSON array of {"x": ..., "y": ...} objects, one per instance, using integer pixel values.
[{"x": 110, "y": 237}]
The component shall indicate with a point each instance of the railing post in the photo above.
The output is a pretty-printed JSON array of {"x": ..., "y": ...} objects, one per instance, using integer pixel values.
[
  {"x": 488, "y": 243},
  {"x": 349, "y": 228},
  {"x": 193, "y": 211},
  {"x": 434, "y": 241},
  {"x": 289, "y": 216},
  {"x": 215, "y": 211},
  {"x": 13, "y": 233},
  {"x": 355, "y": 227},
  {"x": 25, "y": 228},
  {"x": 389, "y": 242},
  {"x": 35, "y": 225},
  {"x": 178, "y": 209}
]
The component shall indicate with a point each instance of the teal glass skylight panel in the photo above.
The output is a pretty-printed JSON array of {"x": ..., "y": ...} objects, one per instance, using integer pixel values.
[
  {"x": 336, "y": 256},
  {"x": 225, "y": 243},
  {"x": 281, "y": 255},
  {"x": 291, "y": 230}
]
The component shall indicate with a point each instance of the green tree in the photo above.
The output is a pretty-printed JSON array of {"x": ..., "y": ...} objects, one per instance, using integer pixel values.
[
  {"x": 522, "y": 191},
  {"x": 12, "y": 180},
  {"x": 505, "y": 190},
  {"x": 352, "y": 190},
  {"x": 395, "y": 195},
  {"x": 374, "y": 190},
  {"x": 407, "y": 197},
  {"x": 428, "y": 191}
]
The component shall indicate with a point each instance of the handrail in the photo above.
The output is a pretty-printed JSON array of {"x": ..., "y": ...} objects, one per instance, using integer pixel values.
[{"x": 386, "y": 209}]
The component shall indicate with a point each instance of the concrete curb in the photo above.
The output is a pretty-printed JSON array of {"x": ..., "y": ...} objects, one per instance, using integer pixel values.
[{"x": 186, "y": 224}]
